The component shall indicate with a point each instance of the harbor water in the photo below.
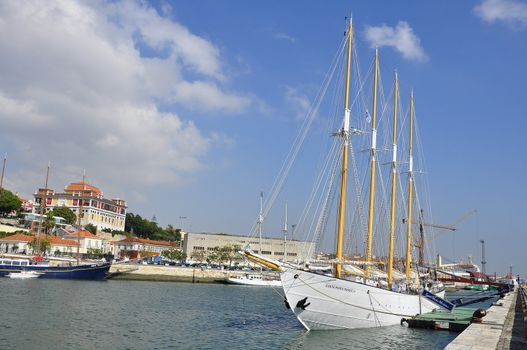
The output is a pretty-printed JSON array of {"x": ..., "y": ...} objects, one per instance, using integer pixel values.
[{"x": 66, "y": 314}]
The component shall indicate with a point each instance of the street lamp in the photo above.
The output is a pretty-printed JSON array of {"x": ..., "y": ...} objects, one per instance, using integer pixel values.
[{"x": 181, "y": 218}]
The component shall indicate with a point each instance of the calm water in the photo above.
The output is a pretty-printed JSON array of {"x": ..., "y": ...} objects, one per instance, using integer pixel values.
[{"x": 55, "y": 314}]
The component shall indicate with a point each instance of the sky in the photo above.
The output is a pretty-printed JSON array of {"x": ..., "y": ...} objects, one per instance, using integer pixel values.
[{"x": 186, "y": 109}]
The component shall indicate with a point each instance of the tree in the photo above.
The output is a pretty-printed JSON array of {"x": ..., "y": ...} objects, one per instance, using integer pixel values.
[
  {"x": 91, "y": 228},
  {"x": 149, "y": 229},
  {"x": 198, "y": 255},
  {"x": 228, "y": 253},
  {"x": 9, "y": 202},
  {"x": 174, "y": 255},
  {"x": 45, "y": 245},
  {"x": 212, "y": 257},
  {"x": 66, "y": 213},
  {"x": 49, "y": 222}
]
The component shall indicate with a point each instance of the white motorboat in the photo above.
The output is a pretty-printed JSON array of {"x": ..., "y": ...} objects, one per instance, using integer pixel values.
[
  {"x": 254, "y": 279},
  {"x": 22, "y": 275}
]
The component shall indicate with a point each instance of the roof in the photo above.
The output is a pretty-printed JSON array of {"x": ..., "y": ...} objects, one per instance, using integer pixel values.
[
  {"x": 19, "y": 237},
  {"x": 146, "y": 241},
  {"x": 82, "y": 186},
  {"x": 83, "y": 234},
  {"x": 54, "y": 240}
]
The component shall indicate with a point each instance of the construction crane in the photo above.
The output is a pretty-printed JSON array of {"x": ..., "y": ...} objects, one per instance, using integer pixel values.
[{"x": 422, "y": 224}]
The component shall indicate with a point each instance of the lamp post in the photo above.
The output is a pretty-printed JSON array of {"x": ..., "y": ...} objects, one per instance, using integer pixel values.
[
  {"x": 181, "y": 218},
  {"x": 483, "y": 262}
]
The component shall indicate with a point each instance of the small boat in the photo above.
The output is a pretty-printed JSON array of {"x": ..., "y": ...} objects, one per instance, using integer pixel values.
[
  {"x": 481, "y": 287},
  {"x": 22, "y": 275},
  {"x": 254, "y": 279}
]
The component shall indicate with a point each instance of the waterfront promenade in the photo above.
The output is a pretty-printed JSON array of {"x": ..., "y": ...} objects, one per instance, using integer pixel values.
[
  {"x": 502, "y": 328},
  {"x": 141, "y": 272}
]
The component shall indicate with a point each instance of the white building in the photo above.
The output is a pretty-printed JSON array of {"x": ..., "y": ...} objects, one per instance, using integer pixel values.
[
  {"x": 134, "y": 248},
  {"x": 271, "y": 247}
]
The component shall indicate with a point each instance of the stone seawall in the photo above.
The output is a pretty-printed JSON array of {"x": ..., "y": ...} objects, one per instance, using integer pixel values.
[
  {"x": 487, "y": 334},
  {"x": 170, "y": 273}
]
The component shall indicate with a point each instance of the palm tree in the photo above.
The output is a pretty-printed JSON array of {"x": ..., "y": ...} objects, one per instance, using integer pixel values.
[{"x": 49, "y": 222}]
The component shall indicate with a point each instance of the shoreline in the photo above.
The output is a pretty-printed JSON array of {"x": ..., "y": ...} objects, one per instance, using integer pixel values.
[{"x": 170, "y": 274}]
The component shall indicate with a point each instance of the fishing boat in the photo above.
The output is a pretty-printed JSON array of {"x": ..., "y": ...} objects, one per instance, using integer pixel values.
[
  {"x": 353, "y": 297},
  {"x": 45, "y": 269},
  {"x": 52, "y": 269}
]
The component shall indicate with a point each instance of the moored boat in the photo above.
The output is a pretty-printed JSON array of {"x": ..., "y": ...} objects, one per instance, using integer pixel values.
[
  {"x": 253, "y": 279},
  {"x": 46, "y": 270},
  {"x": 24, "y": 275},
  {"x": 347, "y": 300}
]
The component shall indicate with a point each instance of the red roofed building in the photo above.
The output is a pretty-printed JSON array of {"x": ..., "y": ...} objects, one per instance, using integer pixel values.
[
  {"x": 88, "y": 241},
  {"x": 20, "y": 243},
  {"x": 81, "y": 196},
  {"x": 16, "y": 243},
  {"x": 134, "y": 248}
]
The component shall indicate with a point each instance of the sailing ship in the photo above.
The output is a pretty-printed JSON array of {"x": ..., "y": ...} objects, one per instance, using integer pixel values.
[
  {"x": 359, "y": 300},
  {"x": 19, "y": 266}
]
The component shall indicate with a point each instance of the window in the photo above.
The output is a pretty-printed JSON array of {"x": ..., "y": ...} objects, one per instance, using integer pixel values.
[
  {"x": 291, "y": 254},
  {"x": 198, "y": 248},
  {"x": 268, "y": 252}
]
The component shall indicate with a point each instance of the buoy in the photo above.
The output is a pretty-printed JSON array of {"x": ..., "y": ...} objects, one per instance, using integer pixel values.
[{"x": 478, "y": 315}]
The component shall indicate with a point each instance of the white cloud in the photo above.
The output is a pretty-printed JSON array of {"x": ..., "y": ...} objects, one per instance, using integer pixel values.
[
  {"x": 77, "y": 89},
  {"x": 300, "y": 104},
  {"x": 509, "y": 11},
  {"x": 402, "y": 38},
  {"x": 286, "y": 37}
]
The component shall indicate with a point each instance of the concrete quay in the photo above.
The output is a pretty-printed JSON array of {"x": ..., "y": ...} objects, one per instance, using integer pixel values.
[
  {"x": 170, "y": 273},
  {"x": 498, "y": 330}
]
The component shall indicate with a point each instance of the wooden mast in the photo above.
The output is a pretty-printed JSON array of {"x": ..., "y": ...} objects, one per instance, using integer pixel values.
[
  {"x": 285, "y": 233},
  {"x": 260, "y": 222},
  {"x": 42, "y": 211},
  {"x": 410, "y": 192},
  {"x": 79, "y": 227},
  {"x": 3, "y": 171},
  {"x": 344, "y": 170},
  {"x": 373, "y": 163},
  {"x": 394, "y": 181}
]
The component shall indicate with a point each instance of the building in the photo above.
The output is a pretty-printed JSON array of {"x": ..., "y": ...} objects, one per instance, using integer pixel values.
[
  {"x": 17, "y": 243},
  {"x": 88, "y": 242},
  {"x": 80, "y": 196},
  {"x": 272, "y": 248},
  {"x": 135, "y": 248},
  {"x": 21, "y": 244}
]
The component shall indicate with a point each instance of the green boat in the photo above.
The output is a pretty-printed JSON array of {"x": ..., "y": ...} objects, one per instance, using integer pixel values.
[{"x": 481, "y": 287}]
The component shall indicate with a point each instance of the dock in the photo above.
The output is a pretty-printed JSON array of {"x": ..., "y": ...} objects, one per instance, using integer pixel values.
[
  {"x": 502, "y": 328},
  {"x": 455, "y": 321}
]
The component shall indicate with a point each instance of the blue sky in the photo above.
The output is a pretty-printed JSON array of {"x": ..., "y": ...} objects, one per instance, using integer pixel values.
[{"x": 187, "y": 109}]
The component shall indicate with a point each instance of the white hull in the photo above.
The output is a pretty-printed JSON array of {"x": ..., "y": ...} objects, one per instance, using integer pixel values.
[
  {"x": 253, "y": 282},
  {"x": 24, "y": 275},
  {"x": 341, "y": 304}
]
